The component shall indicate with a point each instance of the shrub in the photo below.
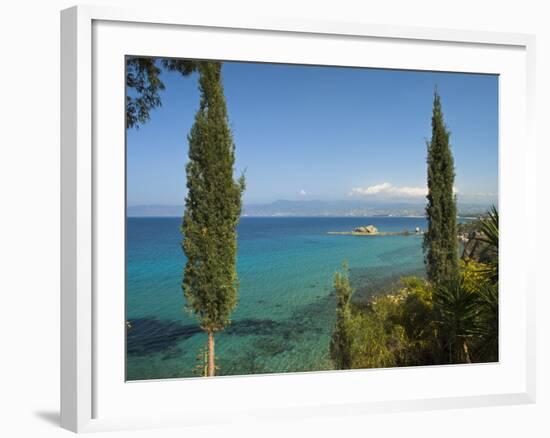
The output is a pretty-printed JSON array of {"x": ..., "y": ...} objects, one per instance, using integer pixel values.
[
  {"x": 420, "y": 324},
  {"x": 395, "y": 329},
  {"x": 342, "y": 337}
]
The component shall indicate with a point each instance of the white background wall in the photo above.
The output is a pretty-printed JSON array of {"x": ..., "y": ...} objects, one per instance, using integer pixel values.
[{"x": 29, "y": 216}]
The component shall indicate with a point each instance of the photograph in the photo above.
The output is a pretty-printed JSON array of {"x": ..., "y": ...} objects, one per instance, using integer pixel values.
[{"x": 285, "y": 218}]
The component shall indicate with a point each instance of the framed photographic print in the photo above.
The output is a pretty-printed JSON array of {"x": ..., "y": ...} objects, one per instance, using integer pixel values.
[{"x": 291, "y": 218}]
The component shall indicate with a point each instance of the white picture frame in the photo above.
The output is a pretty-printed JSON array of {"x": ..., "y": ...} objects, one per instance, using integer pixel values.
[{"x": 93, "y": 395}]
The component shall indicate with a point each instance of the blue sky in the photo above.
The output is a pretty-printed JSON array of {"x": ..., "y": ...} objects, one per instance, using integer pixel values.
[{"x": 324, "y": 133}]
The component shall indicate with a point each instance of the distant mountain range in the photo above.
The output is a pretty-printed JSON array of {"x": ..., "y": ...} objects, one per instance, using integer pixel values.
[{"x": 353, "y": 208}]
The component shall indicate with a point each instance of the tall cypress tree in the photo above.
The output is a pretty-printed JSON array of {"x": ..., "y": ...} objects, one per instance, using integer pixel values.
[
  {"x": 440, "y": 240},
  {"x": 212, "y": 210}
]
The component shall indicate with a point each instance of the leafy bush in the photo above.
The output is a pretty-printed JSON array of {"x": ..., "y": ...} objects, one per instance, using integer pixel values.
[
  {"x": 395, "y": 329},
  {"x": 420, "y": 324},
  {"x": 373, "y": 344}
]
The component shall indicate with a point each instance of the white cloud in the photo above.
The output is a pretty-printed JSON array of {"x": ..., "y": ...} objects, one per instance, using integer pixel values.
[
  {"x": 302, "y": 192},
  {"x": 389, "y": 190},
  {"x": 483, "y": 195}
]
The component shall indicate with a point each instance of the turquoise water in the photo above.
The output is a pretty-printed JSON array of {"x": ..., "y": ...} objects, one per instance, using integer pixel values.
[{"x": 285, "y": 314}]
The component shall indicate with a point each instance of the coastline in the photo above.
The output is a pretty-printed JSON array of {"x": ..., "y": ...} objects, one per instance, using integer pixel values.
[
  {"x": 286, "y": 312},
  {"x": 378, "y": 233}
]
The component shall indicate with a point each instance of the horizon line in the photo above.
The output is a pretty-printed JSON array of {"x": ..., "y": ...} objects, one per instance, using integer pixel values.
[
  {"x": 388, "y": 201},
  {"x": 465, "y": 216}
]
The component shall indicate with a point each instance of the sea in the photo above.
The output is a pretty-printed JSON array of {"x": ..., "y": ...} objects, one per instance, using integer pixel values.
[{"x": 286, "y": 309}]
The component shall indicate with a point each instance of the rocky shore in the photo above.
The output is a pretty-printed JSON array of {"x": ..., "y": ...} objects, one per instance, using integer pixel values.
[
  {"x": 371, "y": 230},
  {"x": 475, "y": 247}
]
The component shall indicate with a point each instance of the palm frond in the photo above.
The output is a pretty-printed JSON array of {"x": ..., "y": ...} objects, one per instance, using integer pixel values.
[
  {"x": 456, "y": 309},
  {"x": 487, "y": 327},
  {"x": 490, "y": 236}
]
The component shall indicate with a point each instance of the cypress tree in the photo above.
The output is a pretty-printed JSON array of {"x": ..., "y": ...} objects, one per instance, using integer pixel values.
[
  {"x": 440, "y": 239},
  {"x": 341, "y": 341},
  {"x": 212, "y": 210}
]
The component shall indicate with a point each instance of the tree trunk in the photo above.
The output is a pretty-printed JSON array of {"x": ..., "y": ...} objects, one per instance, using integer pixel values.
[
  {"x": 466, "y": 353},
  {"x": 211, "y": 363}
]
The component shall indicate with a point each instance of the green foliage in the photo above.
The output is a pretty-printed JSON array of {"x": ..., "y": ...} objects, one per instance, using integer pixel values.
[
  {"x": 489, "y": 228},
  {"x": 183, "y": 66},
  {"x": 440, "y": 239},
  {"x": 144, "y": 85},
  {"x": 375, "y": 342},
  {"x": 341, "y": 342},
  {"x": 392, "y": 330},
  {"x": 486, "y": 346},
  {"x": 423, "y": 324},
  {"x": 473, "y": 274},
  {"x": 407, "y": 317},
  {"x": 213, "y": 207},
  {"x": 467, "y": 315},
  {"x": 488, "y": 324},
  {"x": 455, "y": 308},
  {"x": 417, "y": 319}
]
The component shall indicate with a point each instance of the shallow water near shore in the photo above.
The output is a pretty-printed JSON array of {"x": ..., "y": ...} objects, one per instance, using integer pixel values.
[{"x": 286, "y": 309}]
